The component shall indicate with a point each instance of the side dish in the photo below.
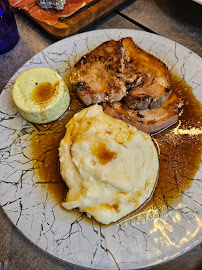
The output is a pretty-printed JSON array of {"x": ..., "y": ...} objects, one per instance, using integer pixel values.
[
  {"x": 41, "y": 95},
  {"x": 110, "y": 167}
]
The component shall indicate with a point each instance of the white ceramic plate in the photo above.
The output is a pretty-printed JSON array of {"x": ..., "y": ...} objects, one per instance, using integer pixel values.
[
  {"x": 130, "y": 245},
  {"x": 198, "y": 1}
]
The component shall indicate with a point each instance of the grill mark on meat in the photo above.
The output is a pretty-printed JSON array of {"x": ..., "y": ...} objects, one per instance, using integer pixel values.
[{"x": 140, "y": 115}]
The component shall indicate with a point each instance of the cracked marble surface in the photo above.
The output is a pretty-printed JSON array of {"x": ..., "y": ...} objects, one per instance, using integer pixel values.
[{"x": 128, "y": 245}]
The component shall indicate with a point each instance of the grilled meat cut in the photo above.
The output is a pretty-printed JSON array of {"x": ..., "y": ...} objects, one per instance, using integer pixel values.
[
  {"x": 149, "y": 121},
  {"x": 134, "y": 85},
  {"x": 116, "y": 69},
  {"x": 152, "y": 84},
  {"x": 94, "y": 77}
]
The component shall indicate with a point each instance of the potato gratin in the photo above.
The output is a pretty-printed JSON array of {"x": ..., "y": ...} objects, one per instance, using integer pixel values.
[{"x": 40, "y": 95}]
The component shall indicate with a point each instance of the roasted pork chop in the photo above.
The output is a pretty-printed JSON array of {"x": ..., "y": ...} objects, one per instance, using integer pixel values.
[
  {"x": 152, "y": 84},
  {"x": 134, "y": 85},
  {"x": 116, "y": 69},
  {"x": 149, "y": 121},
  {"x": 94, "y": 77}
]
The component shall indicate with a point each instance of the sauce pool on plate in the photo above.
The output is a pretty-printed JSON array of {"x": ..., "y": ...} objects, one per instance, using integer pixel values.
[{"x": 180, "y": 148}]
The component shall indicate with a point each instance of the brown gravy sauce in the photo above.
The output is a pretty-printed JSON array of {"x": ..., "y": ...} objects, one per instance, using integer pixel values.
[
  {"x": 103, "y": 153},
  {"x": 43, "y": 92},
  {"x": 180, "y": 148}
]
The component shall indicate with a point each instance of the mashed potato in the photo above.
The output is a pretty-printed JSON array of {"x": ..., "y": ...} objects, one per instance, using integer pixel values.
[{"x": 109, "y": 167}]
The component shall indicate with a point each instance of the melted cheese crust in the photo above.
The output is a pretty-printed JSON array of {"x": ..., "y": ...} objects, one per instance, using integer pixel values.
[{"x": 109, "y": 167}]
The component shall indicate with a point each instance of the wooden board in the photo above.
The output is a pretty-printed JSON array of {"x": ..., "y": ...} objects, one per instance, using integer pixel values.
[{"x": 82, "y": 19}]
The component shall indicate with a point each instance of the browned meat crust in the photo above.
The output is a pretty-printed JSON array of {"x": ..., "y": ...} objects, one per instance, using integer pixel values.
[
  {"x": 152, "y": 85},
  {"x": 134, "y": 85},
  {"x": 116, "y": 69},
  {"x": 94, "y": 77},
  {"x": 150, "y": 121}
]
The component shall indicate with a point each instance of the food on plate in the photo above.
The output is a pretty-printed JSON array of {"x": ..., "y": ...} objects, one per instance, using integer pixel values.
[
  {"x": 95, "y": 77},
  {"x": 55, "y": 4},
  {"x": 110, "y": 167},
  {"x": 49, "y": 16},
  {"x": 147, "y": 79},
  {"x": 41, "y": 95},
  {"x": 120, "y": 71},
  {"x": 149, "y": 121},
  {"x": 116, "y": 69}
]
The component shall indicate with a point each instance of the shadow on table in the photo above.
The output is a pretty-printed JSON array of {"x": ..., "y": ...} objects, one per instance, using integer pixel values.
[{"x": 187, "y": 11}]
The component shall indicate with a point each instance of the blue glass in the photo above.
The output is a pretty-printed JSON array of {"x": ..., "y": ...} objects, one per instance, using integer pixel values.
[{"x": 8, "y": 28}]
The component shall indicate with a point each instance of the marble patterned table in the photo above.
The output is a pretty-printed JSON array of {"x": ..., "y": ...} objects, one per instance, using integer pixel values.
[{"x": 177, "y": 20}]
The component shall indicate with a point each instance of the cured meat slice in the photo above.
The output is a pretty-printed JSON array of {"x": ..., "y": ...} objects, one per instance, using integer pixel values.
[
  {"x": 49, "y": 16},
  {"x": 150, "y": 121}
]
